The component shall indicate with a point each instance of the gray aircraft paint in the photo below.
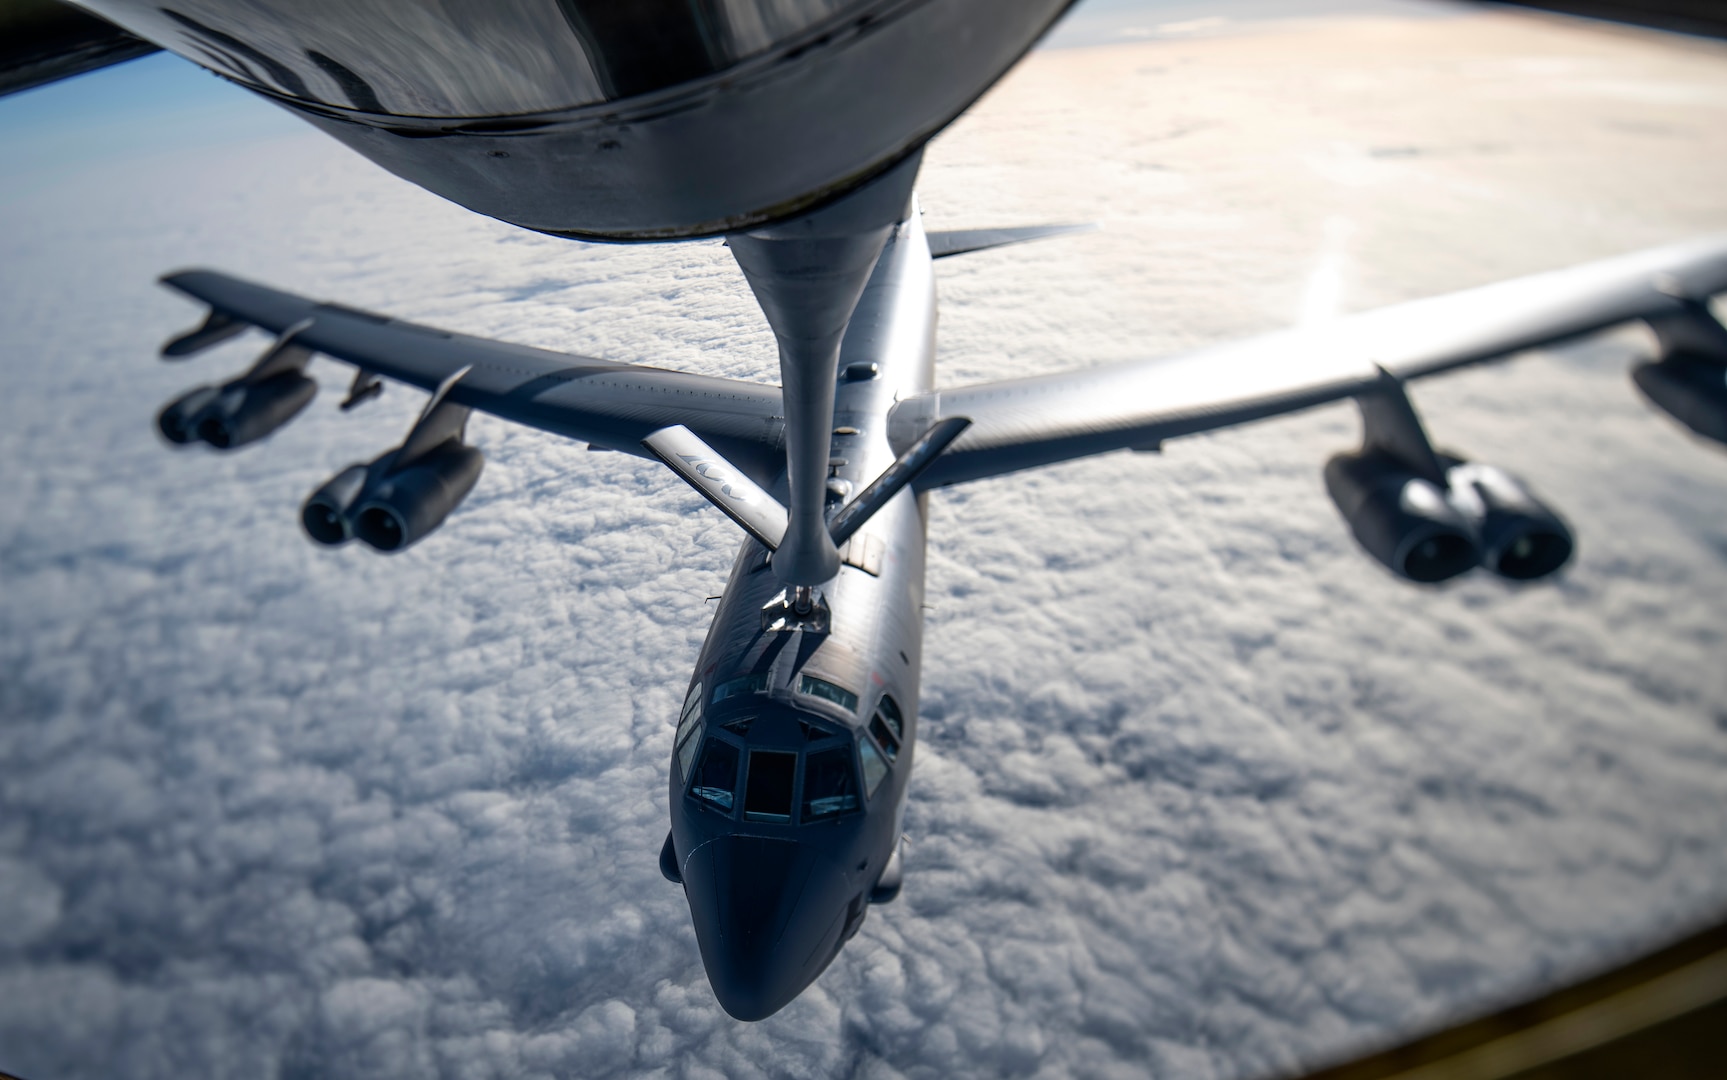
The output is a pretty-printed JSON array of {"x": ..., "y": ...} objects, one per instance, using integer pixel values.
[{"x": 872, "y": 646}]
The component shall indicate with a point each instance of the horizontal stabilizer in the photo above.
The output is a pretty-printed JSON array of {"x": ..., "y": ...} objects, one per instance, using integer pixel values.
[
  {"x": 909, "y": 466},
  {"x": 720, "y": 482},
  {"x": 962, "y": 241}
]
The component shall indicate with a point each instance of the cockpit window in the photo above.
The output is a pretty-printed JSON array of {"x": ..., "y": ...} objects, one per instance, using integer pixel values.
[
  {"x": 874, "y": 767},
  {"x": 768, "y": 792},
  {"x": 829, "y": 789},
  {"x": 689, "y": 734},
  {"x": 890, "y": 715},
  {"x": 821, "y": 688},
  {"x": 687, "y": 748},
  {"x": 692, "y": 712},
  {"x": 717, "y": 775},
  {"x": 885, "y": 734},
  {"x": 743, "y": 684}
]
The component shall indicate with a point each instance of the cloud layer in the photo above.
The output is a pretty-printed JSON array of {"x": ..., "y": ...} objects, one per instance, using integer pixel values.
[{"x": 1202, "y": 792}]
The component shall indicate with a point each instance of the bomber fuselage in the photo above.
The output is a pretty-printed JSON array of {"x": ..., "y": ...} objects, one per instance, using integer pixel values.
[{"x": 790, "y": 765}]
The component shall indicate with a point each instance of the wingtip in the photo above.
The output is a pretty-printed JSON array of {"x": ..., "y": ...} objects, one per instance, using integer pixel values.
[{"x": 177, "y": 279}]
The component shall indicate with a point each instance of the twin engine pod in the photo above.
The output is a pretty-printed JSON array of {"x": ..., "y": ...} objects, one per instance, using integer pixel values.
[
  {"x": 236, "y": 413},
  {"x": 246, "y": 409},
  {"x": 1482, "y": 517},
  {"x": 391, "y": 503}
]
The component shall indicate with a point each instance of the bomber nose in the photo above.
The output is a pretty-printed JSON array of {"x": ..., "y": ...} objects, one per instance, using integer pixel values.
[{"x": 744, "y": 893}]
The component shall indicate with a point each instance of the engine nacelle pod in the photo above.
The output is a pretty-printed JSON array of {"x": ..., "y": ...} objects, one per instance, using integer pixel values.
[
  {"x": 178, "y": 420},
  {"x": 403, "y": 506},
  {"x": 1402, "y": 520},
  {"x": 236, "y": 414},
  {"x": 1521, "y": 537},
  {"x": 246, "y": 413},
  {"x": 1691, "y": 390},
  {"x": 327, "y": 512}
]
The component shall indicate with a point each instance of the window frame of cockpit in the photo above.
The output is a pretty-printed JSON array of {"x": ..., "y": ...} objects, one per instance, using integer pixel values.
[
  {"x": 890, "y": 747},
  {"x": 688, "y": 736},
  {"x": 762, "y": 817},
  {"x": 846, "y": 701},
  {"x": 754, "y": 682},
  {"x": 847, "y": 749},
  {"x": 721, "y": 731},
  {"x": 836, "y": 736},
  {"x": 738, "y": 769},
  {"x": 889, "y": 757},
  {"x": 841, "y": 737},
  {"x": 869, "y": 789}
]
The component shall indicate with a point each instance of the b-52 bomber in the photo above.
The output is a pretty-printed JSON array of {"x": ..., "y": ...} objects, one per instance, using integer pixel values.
[{"x": 794, "y": 129}]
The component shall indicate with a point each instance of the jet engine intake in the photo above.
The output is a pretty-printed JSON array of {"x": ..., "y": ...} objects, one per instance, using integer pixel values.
[
  {"x": 1521, "y": 537},
  {"x": 178, "y": 420},
  {"x": 246, "y": 413},
  {"x": 325, "y": 515},
  {"x": 1403, "y": 520},
  {"x": 1430, "y": 516},
  {"x": 238, "y": 413},
  {"x": 391, "y": 505},
  {"x": 406, "y": 504}
]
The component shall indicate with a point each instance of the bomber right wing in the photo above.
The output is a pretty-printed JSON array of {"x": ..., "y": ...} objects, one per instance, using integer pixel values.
[{"x": 1023, "y": 423}]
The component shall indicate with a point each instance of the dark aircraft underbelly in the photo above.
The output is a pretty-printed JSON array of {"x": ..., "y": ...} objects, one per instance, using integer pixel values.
[{"x": 649, "y": 120}]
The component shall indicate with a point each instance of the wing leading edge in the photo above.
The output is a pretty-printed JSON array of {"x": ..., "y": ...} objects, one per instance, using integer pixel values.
[{"x": 1023, "y": 423}]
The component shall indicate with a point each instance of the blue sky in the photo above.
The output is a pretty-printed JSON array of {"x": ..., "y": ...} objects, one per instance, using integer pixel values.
[{"x": 156, "y": 104}]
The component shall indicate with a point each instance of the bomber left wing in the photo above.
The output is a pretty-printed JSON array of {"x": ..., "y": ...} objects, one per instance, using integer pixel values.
[
  {"x": 1423, "y": 513},
  {"x": 605, "y": 403},
  {"x": 1022, "y": 423}
]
